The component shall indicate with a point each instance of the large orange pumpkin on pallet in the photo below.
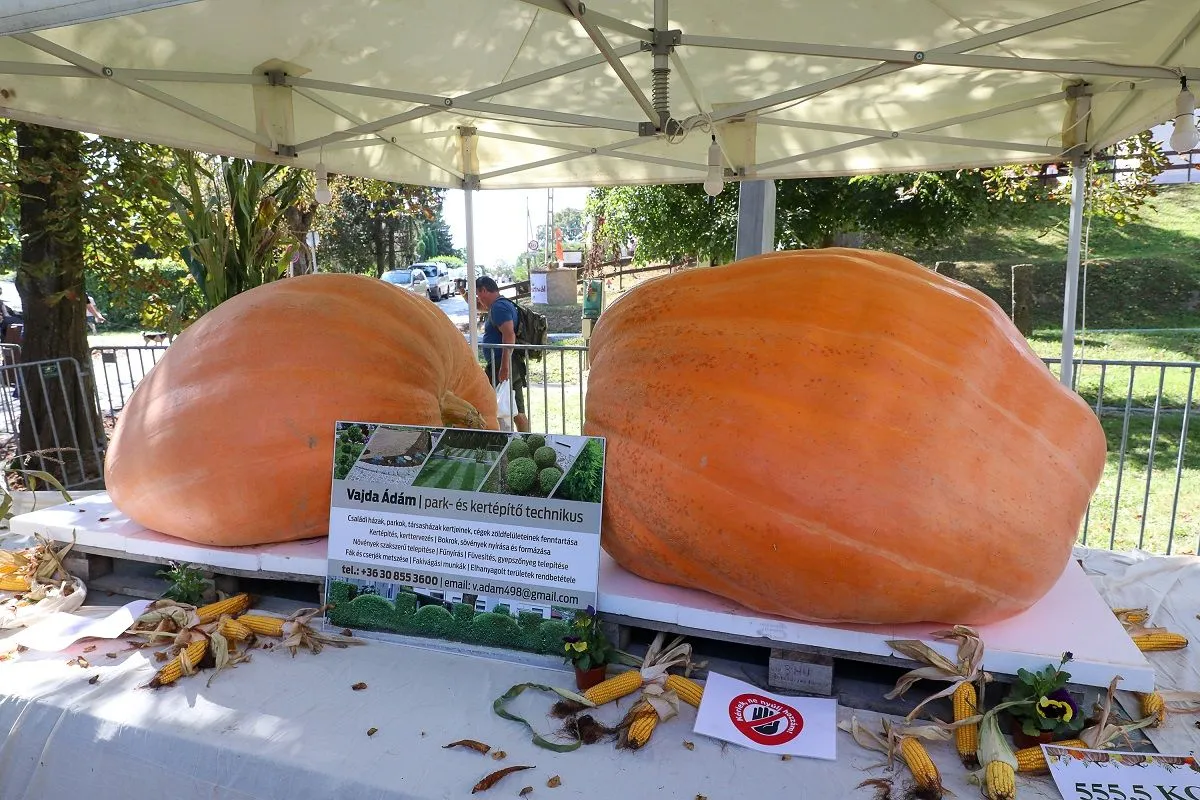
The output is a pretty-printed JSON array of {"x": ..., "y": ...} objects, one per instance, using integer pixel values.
[
  {"x": 838, "y": 436},
  {"x": 229, "y": 439}
]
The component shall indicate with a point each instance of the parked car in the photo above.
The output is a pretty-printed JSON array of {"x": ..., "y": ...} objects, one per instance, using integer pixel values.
[
  {"x": 411, "y": 280},
  {"x": 440, "y": 283}
]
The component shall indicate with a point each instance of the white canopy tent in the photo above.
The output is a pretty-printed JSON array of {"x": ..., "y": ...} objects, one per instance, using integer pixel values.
[{"x": 481, "y": 94}]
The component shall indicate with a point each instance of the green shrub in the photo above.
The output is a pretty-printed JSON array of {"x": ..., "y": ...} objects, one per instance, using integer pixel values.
[
  {"x": 545, "y": 457},
  {"x": 518, "y": 449},
  {"x": 406, "y": 604},
  {"x": 370, "y": 611},
  {"x": 535, "y": 440},
  {"x": 464, "y": 613},
  {"x": 521, "y": 474},
  {"x": 434, "y": 621},
  {"x": 502, "y": 608},
  {"x": 550, "y": 636},
  {"x": 548, "y": 477},
  {"x": 585, "y": 479},
  {"x": 495, "y": 630}
]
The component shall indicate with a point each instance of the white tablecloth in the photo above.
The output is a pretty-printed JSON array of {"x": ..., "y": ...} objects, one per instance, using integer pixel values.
[{"x": 292, "y": 728}]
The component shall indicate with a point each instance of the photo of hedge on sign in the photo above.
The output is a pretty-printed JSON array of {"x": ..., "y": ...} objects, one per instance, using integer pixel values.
[{"x": 475, "y": 537}]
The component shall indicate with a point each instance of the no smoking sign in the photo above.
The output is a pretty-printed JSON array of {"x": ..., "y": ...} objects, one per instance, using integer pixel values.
[{"x": 765, "y": 721}]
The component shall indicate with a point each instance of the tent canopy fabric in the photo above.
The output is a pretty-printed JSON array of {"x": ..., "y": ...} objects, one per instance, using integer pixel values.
[{"x": 542, "y": 93}]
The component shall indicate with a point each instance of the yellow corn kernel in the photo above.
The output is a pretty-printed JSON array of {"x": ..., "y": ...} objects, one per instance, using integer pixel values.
[
  {"x": 1150, "y": 642},
  {"x": 1153, "y": 706},
  {"x": 234, "y": 630},
  {"x": 231, "y": 605},
  {"x": 687, "y": 690},
  {"x": 999, "y": 781},
  {"x": 1132, "y": 616},
  {"x": 644, "y": 719},
  {"x": 7, "y": 569},
  {"x": 924, "y": 771},
  {"x": 12, "y": 583},
  {"x": 966, "y": 738},
  {"x": 1032, "y": 761},
  {"x": 263, "y": 626},
  {"x": 615, "y": 687},
  {"x": 174, "y": 670}
]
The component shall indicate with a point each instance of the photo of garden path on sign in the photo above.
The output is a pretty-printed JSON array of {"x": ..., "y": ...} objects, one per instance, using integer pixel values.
[{"x": 478, "y": 537}]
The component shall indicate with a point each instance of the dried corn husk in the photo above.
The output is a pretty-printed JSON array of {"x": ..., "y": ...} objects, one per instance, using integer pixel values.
[{"x": 938, "y": 667}]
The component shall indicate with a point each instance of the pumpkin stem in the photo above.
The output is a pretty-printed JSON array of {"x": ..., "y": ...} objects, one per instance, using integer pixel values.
[{"x": 458, "y": 413}]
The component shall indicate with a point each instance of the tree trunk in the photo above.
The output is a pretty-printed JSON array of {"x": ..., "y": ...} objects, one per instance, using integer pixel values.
[
  {"x": 1023, "y": 298},
  {"x": 391, "y": 242},
  {"x": 57, "y": 409},
  {"x": 299, "y": 221}
]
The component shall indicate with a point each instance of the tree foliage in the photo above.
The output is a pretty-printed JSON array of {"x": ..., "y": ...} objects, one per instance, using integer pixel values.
[{"x": 371, "y": 225}]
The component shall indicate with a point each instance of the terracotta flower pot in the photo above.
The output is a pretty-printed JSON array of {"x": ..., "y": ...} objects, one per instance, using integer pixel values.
[
  {"x": 587, "y": 678},
  {"x": 1021, "y": 739}
]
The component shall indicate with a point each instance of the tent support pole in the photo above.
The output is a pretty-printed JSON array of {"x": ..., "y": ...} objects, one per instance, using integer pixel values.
[
  {"x": 1074, "y": 248},
  {"x": 472, "y": 311},
  {"x": 756, "y": 218}
]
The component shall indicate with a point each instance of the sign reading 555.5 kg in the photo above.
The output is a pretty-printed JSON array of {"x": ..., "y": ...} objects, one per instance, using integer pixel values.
[
  {"x": 478, "y": 523},
  {"x": 1082, "y": 774}
]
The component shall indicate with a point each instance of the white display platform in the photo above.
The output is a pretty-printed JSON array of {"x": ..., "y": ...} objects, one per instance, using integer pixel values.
[{"x": 1072, "y": 617}]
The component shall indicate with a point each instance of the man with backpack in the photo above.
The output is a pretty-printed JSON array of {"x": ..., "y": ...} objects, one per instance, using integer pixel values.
[{"x": 503, "y": 326}]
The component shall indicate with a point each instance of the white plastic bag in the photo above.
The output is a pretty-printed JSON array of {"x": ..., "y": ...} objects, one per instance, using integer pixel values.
[
  {"x": 504, "y": 412},
  {"x": 15, "y": 614}
]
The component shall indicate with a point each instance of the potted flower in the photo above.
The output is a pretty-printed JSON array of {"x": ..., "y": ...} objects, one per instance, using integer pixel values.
[
  {"x": 587, "y": 649},
  {"x": 1041, "y": 709}
]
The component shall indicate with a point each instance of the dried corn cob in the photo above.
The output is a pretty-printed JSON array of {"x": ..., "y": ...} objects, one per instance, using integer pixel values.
[
  {"x": 1153, "y": 706},
  {"x": 999, "y": 781},
  {"x": 924, "y": 771},
  {"x": 231, "y": 605},
  {"x": 1156, "y": 641},
  {"x": 235, "y": 630},
  {"x": 638, "y": 725},
  {"x": 177, "y": 667},
  {"x": 686, "y": 689},
  {"x": 263, "y": 625},
  {"x": 1132, "y": 616},
  {"x": 1032, "y": 760},
  {"x": 966, "y": 737},
  {"x": 13, "y": 583},
  {"x": 615, "y": 687}
]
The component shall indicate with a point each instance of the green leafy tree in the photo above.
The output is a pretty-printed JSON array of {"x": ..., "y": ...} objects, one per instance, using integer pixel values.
[
  {"x": 372, "y": 226},
  {"x": 233, "y": 211}
]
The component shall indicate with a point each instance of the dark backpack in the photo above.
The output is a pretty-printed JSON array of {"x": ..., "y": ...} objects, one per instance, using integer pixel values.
[{"x": 531, "y": 329}]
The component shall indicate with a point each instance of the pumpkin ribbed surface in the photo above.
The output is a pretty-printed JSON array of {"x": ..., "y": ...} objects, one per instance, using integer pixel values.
[
  {"x": 229, "y": 438},
  {"x": 837, "y": 435}
]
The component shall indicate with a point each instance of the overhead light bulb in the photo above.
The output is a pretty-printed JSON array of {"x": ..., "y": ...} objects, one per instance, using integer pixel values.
[
  {"x": 714, "y": 182},
  {"x": 323, "y": 195},
  {"x": 1185, "y": 136}
]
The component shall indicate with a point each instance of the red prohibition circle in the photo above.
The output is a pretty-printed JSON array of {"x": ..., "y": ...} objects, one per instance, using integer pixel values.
[{"x": 765, "y": 721}]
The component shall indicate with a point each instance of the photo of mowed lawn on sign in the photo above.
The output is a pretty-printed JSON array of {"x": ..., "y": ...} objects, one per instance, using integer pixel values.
[{"x": 462, "y": 460}]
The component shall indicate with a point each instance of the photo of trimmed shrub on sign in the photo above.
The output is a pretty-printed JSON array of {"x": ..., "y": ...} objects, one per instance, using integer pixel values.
[
  {"x": 527, "y": 631},
  {"x": 532, "y": 466}
]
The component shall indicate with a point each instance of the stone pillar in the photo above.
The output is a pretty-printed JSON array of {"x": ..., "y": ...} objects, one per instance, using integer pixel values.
[{"x": 1022, "y": 298}]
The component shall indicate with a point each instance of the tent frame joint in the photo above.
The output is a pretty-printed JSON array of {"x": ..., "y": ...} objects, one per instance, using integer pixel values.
[
  {"x": 287, "y": 151},
  {"x": 471, "y": 183},
  {"x": 276, "y": 77},
  {"x": 648, "y": 129},
  {"x": 664, "y": 42}
]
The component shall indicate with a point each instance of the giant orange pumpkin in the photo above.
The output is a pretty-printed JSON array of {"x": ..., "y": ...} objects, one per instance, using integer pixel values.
[
  {"x": 837, "y": 435},
  {"x": 229, "y": 439}
]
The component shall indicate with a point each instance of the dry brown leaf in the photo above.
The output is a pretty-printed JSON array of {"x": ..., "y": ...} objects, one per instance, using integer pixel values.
[
  {"x": 499, "y": 755},
  {"x": 489, "y": 781},
  {"x": 161, "y": 655},
  {"x": 83, "y": 662},
  {"x": 478, "y": 747},
  {"x": 689, "y": 745},
  {"x": 701, "y": 797},
  {"x": 554, "y": 782},
  {"x": 110, "y": 655},
  {"x": 525, "y": 791},
  {"x": 103, "y": 519},
  {"x": 785, "y": 758},
  {"x": 347, "y": 632},
  {"x": 21, "y": 648},
  {"x": 358, "y": 687},
  {"x": 89, "y": 648},
  {"x": 372, "y": 731},
  {"x": 93, "y": 680}
]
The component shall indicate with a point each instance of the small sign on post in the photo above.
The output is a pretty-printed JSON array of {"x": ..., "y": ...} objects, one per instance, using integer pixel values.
[{"x": 484, "y": 538}]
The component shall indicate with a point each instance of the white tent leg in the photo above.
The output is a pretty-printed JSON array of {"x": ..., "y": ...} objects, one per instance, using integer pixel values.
[
  {"x": 468, "y": 194},
  {"x": 1074, "y": 248},
  {"x": 756, "y": 218}
]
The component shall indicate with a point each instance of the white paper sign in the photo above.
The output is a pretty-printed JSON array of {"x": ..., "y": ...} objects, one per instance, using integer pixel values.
[
  {"x": 1104, "y": 775},
  {"x": 740, "y": 713},
  {"x": 60, "y": 631}
]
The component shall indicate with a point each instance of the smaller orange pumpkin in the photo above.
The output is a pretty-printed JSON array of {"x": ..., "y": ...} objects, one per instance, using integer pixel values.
[{"x": 229, "y": 439}]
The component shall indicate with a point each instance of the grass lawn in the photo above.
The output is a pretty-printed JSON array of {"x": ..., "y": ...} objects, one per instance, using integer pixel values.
[{"x": 445, "y": 473}]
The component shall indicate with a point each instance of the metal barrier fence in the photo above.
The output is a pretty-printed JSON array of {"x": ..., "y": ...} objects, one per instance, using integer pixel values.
[
  {"x": 48, "y": 414},
  {"x": 1149, "y": 496},
  {"x": 118, "y": 371}
]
